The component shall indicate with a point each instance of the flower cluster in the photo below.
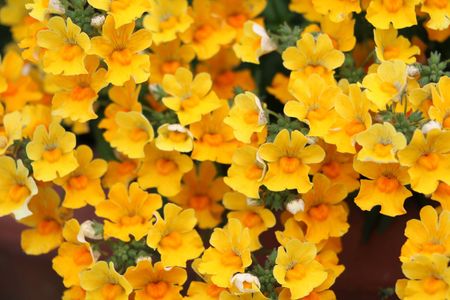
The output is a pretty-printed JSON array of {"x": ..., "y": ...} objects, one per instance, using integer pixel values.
[{"x": 193, "y": 171}]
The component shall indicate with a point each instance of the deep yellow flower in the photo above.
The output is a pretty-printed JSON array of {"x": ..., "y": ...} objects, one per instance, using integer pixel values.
[
  {"x": 123, "y": 11},
  {"x": 237, "y": 12},
  {"x": 254, "y": 217},
  {"x": 128, "y": 211},
  {"x": 123, "y": 171},
  {"x": 336, "y": 10},
  {"x": 102, "y": 282},
  {"x": 52, "y": 152},
  {"x": 254, "y": 43},
  {"x": 74, "y": 255},
  {"x": 247, "y": 296},
  {"x": 41, "y": 9},
  {"x": 385, "y": 186},
  {"x": 306, "y": 8},
  {"x": 341, "y": 33},
  {"x": 428, "y": 159},
  {"x": 442, "y": 195},
  {"x": 121, "y": 49},
  {"x": 401, "y": 13},
  {"x": 203, "y": 190},
  {"x": 174, "y": 236},
  {"x": 74, "y": 293},
  {"x": 288, "y": 160},
  {"x": 285, "y": 294},
  {"x": 297, "y": 269},
  {"x": 13, "y": 12},
  {"x": 82, "y": 186},
  {"x": 229, "y": 253},
  {"x": 66, "y": 47},
  {"x": 190, "y": 97},
  {"x": 10, "y": 130},
  {"x": 391, "y": 46},
  {"x": 163, "y": 170},
  {"x": 440, "y": 108},
  {"x": 279, "y": 88},
  {"x": 33, "y": 116},
  {"x": 439, "y": 12},
  {"x": 154, "y": 282},
  {"x": 16, "y": 188},
  {"x": 174, "y": 137},
  {"x": 203, "y": 291}
]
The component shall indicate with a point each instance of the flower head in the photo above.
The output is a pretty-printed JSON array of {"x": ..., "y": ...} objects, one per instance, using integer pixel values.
[
  {"x": 399, "y": 13},
  {"x": 123, "y": 11},
  {"x": 389, "y": 46},
  {"x": 174, "y": 137},
  {"x": 254, "y": 43}
]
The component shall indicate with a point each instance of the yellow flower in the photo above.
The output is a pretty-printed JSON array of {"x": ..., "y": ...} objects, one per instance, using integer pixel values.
[
  {"x": 439, "y": 12},
  {"x": 285, "y": 294},
  {"x": 167, "y": 19},
  {"x": 214, "y": 140},
  {"x": 123, "y": 171},
  {"x": 203, "y": 191},
  {"x": 292, "y": 231},
  {"x": 203, "y": 291},
  {"x": 174, "y": 137},
  {"x": 76, "y": 94},
  {"x": 306, "y": 8},
  {"x": 442, "y": 195},
  {"x": 440, "y": 108},
  {"x": 128, "y": 212},
  {"x": 52, "y": 152},
  {"x": 324, "y": 214},
  {"x": 246, "y": 117},
  {"x": 163, "y": 170},
  {"x": 428, "y": 277},
  {"x": 33, "y": 116},
  {"x": 10, "y": 131},
  {"x": 174, "y": 237},
  {"x": 254, "y": 217},
  {"x": 74, "y": 255},
  {"x": 341, "y": 33},
  {"x": 380, "y": 143},
  {"x": 428, "y": 159},
  {"x": 102, "y": 282},
  {"x": 247, "y": 296},
  {"x": 13, "y": 12},
  {"x": 246, "y": 172},
  {"x": 279, "y": 88},
  {"x": 336, "y": 10},
  {"x": 288, "y": 159},
  {"x": 390, "y": 46},
  {"x": 191, "y": 97},
  {"x": 66, "y": 47},
  {"x": 387, "y": 84},
  {"x": 16, "y": 188},
  {"x": 123, "y": 11},
  {"x": 385, "y": 186},
  {"x": 314, "y": 104},
  {"x": 82, "y": 186},
  {"x": 297, "y": 269},
  {"x": 229, "y": 253},
  {"x": 254, "y": 43},
  {"x": 401, "y": 13},
  {"x": 46, "y": 221},
  {"x": 134, "y": 132},
  {"x": 74, "y": 293},
  {"x": 41, "y": 9},
  {"x": 430, "y": 234},
  {"x": 313, "y": 55},
  {"x": 156, "y": 282},
  {"x": 121, "y": 49}
]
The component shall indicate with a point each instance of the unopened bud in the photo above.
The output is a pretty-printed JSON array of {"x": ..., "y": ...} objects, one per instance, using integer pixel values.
[
  {"x": 427, "y": 127},
  {"x": 295, "y": 206},
  {"x": 246, "y": 283},
  {"x": 412, "y": 71},
  {"x": 98, "y": 21},
  {"x": 87, "y": 229}
]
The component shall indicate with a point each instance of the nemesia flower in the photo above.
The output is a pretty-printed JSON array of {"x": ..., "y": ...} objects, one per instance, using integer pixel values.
[
  {"x": 123, "y": 11},
  {"x": 33, "y": 116},
  {"x": 82, "y": 186},
  {"x": 442, "y": 195},
  {"x": 306, "y": 8},
  {"x": 174, "y": 236},
  {"x": 153, "y": 282},
  {"x": 390, "y": 46},
  {"x": 279, "y": 88},
  {"x": 341, "y": 34},
  {"x": 245, "y": 283},
  {"x": 102, "y": 282},
  {"x": 13, "y": 12},
  {"x": 40, "y": 9},
  {"x": 399, "y": 13},
  {"x": 336, "y": 10},
  {"x": 190, "y": 97},
  {"x": 66, "y": 47},
  {"x": 128, "y": 211},
  {"x": 439, "y": 12},
  {"x": 174, "y": 137},
  {"x": 52, "y": 152},
  {"x": 440, "y": 109},
  {"x": 247, "y": 296},
  {"x": 121, "y": 50},
  {"x": 288, "y": 160},
  {"x": 124, "y": 171},
  {"x": 74, "y": 293},
  {"x": 10, "y": 131},
  {"x": 385, "y": 186}
]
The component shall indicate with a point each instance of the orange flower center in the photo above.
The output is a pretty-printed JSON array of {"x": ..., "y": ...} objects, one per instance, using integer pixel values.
[
  {"x": 111, "y": 291},
  {"x": 318, "y": 69},
  {"x": 289, "y": 164},
  {"x": 317, "y": 114},
  {"x": 168, "y": 23},
  {"x": 354, "y": 127},
  {"x": 231, "y": 259},
  {"x": 437, "y": 3},
  {"x": 387, "y": 184},
  {"x": 382, "y": 150},
  {"x": 251, "y": 117},
  {"x": 118, "y": 5},
  {"x": 214, "y": 290},
  {"x": 177, "y": 137},
  {"x": 18, "y": 192},
  {"x": 443, "y": 188},
  {"x": 199, "y": 202},
  {"x": 332, "y": 169},
  {"x": 190, "y": 102},
  {"x": 254, "y": 172},
  {"x": 225, "y": 78},
  {"x": 11, "y": 90},
  {"x": 296, "y": 273},
  {"x": 431, "y": 285},
  {"x": 46, "y": 227},
  {"x": 122, "y": 57},
  {"x": 78, "y": 182},
  {"x": 52, "y": 155},
  {"x": 312, "y": 296},
  {"x": 69, "y": 52},
  {"x": 391, "y": 52},
  {"x": 126, "y": 167},
  {"x": 388, "y": 88},
  {"x": 172, "y": 240},
  {"x": 131, "y": 220},
  {"x": 429, "y": 161},
  {"x": 319, "y": 212},
  {"x": 237, "y": 20},
  {"x": 446, "y": 122},
  {"x": 82, "y": 256},
  {"x": 80, "y": 93},
  {"x": 169, "y": 67},
  {"x": 393, "y": 6},
  {"x": 251, "y": 219},
  {"x": 431, "y": 248},
  {"x": 203, "y": 32},
  {"x": 165, "y": 166},
  {"x": 138, "y": 135},
  {"x": 213, "y": 139},
  {"x": 157, "y": 290}
]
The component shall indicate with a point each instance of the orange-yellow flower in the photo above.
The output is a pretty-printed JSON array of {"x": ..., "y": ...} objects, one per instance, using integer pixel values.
[
  {"x": 123, "y": 11},
  {"x": 401, "y": 13}
]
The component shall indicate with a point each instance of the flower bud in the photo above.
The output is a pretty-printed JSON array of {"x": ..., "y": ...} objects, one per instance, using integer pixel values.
[
  {"x": 427, "y": 127},
  {"x": 245, "y": 283},
  {"x": 295, "y": 206},
  {"x": 87, "y": 230},
  {"x": 97, "y": 21}
]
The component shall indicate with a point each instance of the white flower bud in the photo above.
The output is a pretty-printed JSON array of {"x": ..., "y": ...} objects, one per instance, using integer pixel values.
[
  {"x": 412, "y": 71},
  {"x": 97, "y": 21},
  {"x": 239, "y": 280},
  {"x": 427, "y": 127},
  {"x": 311, "y": 140},
  {"x": 87, "y": 230},
  {"x": 141, "y": 258},
  {"x": 267, "y": 45},
  {"x": 295, "y": 206},
  {"x": 55, "y": 7}
]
